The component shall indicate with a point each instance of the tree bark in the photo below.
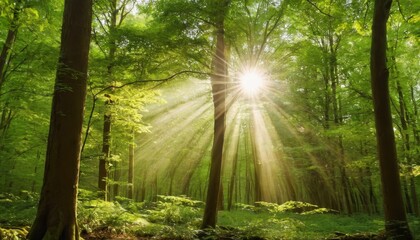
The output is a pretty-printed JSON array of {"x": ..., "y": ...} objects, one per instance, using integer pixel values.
[
  {"x": 218, "y": 81},
  {"x": 106, "y": 151},
  {"x": 116, "y": 185},
  {"x": 56, "y": 216},
  {"x": 233, "y": 174},
  {"x": 10, "y": 40},
  {"x": 103, "y": 162},
  {"x": 396, "y": 225},
  {"x": 130, "y": 187}
]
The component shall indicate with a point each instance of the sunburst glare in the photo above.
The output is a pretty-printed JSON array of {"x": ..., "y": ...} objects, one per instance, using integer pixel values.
[{"x": 251, "y": 81}]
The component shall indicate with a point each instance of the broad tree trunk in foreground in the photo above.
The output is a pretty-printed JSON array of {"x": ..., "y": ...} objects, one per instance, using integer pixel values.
[
  {"x": 396, "y": 225},
  {"x": 218, "y": 81},
  {"x": 56, "y": 216}
]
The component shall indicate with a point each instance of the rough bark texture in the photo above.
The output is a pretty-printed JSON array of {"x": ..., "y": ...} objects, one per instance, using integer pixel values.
[
  {"x": 395, "y": 218},
  {"x": 56, "y": 216},
  {"x": 219, "y": 94}
]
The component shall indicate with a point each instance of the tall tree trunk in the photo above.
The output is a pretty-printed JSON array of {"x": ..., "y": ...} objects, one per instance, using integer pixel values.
[
  {"x": 56, "y": 215},
  {"x": 130, "y": 186},
  {"x": 38, "y": 159},
  {"x": 405, "y": 119},
  {"x": 106, "y": 152},
  {"x": 218, "y": 80},
  {"x": 405, "y": 122},
  {"x": 396, "y": 225},
  {"x": 10, "y": 40},
  {"x": 103, "y": 162},
  {"x": 248, "y": 172},
  {"x": 233, "y": 174},
  {"x": 220, "y": 198},
  {"x": 116, "y": 186},
  {"x": 416, "y": 135}
]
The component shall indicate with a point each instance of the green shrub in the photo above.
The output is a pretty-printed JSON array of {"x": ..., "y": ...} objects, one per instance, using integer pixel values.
[
  {"x": 292, "y": 207},
  {"x": 98, "y": 214},
  {"x": 18, "y": 210},
  {"x": 172, "y": 210},
  {"x": 242, "y": 206}
]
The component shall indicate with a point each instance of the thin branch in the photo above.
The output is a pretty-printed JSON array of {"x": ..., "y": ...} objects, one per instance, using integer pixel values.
[
  {"x": 314, "y": 5},
  {"x": 201, "y": 19},
  {"x": 151, "y": 80},
  {"x": 94, "y": 98},
  {"x": 95, "y": 39},
  {"x": 401, "y": 11},
  {"x": 100, "y": 23},
  {"x": 125, "y": 11},
  {"x": 361, "y": 93}
]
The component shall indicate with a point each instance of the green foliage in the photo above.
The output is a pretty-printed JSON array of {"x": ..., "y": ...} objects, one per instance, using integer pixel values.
[
  {"x": 18, "y": 210},
  {"x": 176, "y": 210},
  {"x": 243, "y": 206},
  {"x": 98, "y": 214},
  {"x": 177, "y": 217},
  {"x": 266, "y": 225},
  {"x": 287, "y": 207},
  {"x": 13, "y": 233}
]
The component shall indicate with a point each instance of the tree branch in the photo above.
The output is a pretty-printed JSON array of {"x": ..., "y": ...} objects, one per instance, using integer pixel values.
[
  {"x": 314, "y": 5},
  {"x": 162, "y": 80}
]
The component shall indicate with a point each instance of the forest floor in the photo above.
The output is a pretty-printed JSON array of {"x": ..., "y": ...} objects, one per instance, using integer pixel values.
[
  {"x": 102, "y": 235},
  {"x": 179, "y": 218}
]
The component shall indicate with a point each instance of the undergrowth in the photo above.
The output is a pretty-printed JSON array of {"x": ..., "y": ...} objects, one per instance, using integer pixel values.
[{"x": 178, "y": 217}]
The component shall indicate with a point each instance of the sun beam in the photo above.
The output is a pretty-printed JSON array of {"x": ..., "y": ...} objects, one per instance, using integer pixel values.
[{"x": 251, "y": 81}]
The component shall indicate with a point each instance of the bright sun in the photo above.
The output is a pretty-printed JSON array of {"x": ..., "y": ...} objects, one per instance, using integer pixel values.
[{"x": 251, "y": 81}]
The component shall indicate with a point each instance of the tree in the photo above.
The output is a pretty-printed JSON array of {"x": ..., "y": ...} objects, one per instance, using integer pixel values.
[
  {"x": 10, "y": 40},
  {"x": 218, "y": 83},
  {"x": 396, "y": 225},
  {"x": 112, "y": 23},
  {"x": 130, "y": 186},
  {"x": 22, "y": 82},
  {"x": 56, "y": 215}
]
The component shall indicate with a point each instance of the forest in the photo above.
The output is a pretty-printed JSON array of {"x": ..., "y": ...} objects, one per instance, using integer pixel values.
[{"x": 209, "y": 119}]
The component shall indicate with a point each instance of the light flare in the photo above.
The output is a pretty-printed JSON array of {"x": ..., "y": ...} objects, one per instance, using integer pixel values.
[{"x": 251, "y": 81}]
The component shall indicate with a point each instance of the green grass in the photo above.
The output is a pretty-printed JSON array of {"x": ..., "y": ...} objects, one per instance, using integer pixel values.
[{"x": 297, "y": 226}]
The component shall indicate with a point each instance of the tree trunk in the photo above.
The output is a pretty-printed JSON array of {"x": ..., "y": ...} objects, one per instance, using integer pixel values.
[
  {"x": 218, "y": 80},
  {"x": 56, "y": 215},
  {"x": 396, "y": 225},
  {"x": 103, "y": 162},
  {"x": 405, "y": 120},
  {"x": 130, "y": 187},
  {"x": 116, "y": 186},
  {"x": 10, "y": 40},
  {"x": 233, "y": 174},
  {"x": 103, "y": 170}
]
